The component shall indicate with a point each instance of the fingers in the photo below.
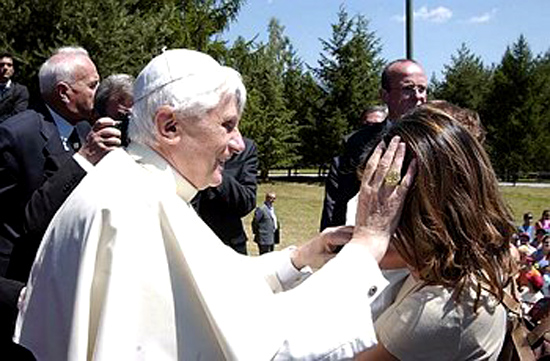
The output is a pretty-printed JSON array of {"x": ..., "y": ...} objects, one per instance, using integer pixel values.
[
  {"x": 372, "y": 163},
  {"x": 103, "y": 122},
  {"x": 104, "y": 134},
  {"x": 339, "y": 235},
  {"x": 386, "y": 162},
  {"x": 408, "y": 178}
]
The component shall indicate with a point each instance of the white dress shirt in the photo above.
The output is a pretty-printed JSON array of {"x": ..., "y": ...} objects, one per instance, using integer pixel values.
[{"x": 128, "y": 271}]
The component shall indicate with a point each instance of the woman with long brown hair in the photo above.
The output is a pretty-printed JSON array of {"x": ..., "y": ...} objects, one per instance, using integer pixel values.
[{"x": 454, "y": 236}]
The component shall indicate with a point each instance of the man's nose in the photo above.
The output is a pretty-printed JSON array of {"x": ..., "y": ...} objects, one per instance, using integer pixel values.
[
  {"x": 420, "y": 96},
  {"x": 236, "y": 143}
]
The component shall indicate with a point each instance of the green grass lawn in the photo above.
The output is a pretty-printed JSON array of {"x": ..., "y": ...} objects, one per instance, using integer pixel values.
[{"x": 299, "y": 205}]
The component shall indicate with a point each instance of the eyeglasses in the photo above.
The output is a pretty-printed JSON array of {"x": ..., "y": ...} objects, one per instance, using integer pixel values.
[{"x": 411, "y": 88}]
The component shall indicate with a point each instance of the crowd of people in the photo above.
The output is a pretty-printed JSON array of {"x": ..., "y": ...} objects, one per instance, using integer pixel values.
[
  {"x": 532, "y": 245},
  {"x": 124, "y": 239}
]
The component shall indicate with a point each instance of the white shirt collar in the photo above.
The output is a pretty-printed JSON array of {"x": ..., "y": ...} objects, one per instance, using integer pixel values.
[
  {"x": 7, "y": 84},
  {"x": 158, "y": 166}
]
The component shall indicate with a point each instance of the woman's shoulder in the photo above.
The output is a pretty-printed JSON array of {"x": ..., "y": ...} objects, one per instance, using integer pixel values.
[{"x": 431, "y": 313}]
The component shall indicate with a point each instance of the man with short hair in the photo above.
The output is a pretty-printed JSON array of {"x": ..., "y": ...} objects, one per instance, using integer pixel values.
[
  {"x": 127, "y": 269},
  {"x": 374, "y": 115},
  {"x": 14, "y": 97},
  {"x": 265, "y": 226},
  {"x": 403, "y": 87},
  {"x": 114, "y": 96},
  {"x": 114, "y": 99},
  {"x": 40, "y": 164}
]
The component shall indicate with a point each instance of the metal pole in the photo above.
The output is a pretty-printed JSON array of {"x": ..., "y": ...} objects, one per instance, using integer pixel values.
[{"x": 409, "y": 28}]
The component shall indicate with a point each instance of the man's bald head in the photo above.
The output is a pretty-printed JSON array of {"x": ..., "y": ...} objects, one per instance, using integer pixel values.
[{"x": 404, "y": 86}]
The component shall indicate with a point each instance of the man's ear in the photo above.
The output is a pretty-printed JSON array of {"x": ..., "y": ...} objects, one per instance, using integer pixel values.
[
  {"x": 62, "y": 92},
  {"x": 167, "y": 125}
]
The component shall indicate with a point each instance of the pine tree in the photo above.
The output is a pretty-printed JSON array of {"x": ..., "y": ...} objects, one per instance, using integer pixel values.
[
  {"x": 512, "y": 113},
  {"x": 465, "y": 80},
  {"x": 349, "y": 74},
  {"x": 267, "y": 119},
  {"x": 120, "y": 35}
]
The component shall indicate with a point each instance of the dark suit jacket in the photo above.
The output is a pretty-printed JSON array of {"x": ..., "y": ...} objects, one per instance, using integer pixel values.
[
  {"x": 263, "y": 226},
  {"x": 343, "y": 182},
  {"x": 36, "y": 176},
  {"x": 14, "y": 100},
  {"x": 223, "y": 207}
]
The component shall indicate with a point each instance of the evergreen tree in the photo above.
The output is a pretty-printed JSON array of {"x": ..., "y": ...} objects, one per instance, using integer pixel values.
[
  {"x": 465, "y": 80},
  {"x": 120, "y": 35},
  {"x": 512, "y": 112},
  {"x": 349, "y": 74},
  {"x": 267, "y": 119}
]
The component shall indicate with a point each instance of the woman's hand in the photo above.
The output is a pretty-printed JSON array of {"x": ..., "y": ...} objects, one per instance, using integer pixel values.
[{"x": 381, "y": 197}]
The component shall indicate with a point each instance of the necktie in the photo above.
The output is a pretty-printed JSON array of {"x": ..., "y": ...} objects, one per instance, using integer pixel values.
[{"x": 74, "y": 141}]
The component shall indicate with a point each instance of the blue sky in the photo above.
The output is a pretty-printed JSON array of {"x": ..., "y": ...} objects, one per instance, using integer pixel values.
[{"x": 440, "y": 26}]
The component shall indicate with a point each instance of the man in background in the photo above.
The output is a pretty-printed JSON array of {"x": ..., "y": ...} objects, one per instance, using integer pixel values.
[
  {"x": 14, "y": 97},
  {"x": 222, "y": 207},
  {"x": 43, "y": 156},
  {"x": 114, "y": 99},
  {"x": 265, "y": 225},
  {"x": 404, "y": 87},
  {"x": 374, "y": 115}
]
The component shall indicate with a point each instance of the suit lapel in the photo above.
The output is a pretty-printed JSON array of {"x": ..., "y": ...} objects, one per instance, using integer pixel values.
[
  {"x": 6, "y": 94},
  {"x": 54, "y": 153},
  {"x": 51, "y": 135}
]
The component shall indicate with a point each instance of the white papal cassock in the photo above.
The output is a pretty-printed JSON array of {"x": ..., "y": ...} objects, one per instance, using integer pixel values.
[{"x": 128, "y": 271}]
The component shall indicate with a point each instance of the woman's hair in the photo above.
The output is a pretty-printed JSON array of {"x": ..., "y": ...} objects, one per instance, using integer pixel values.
[
  {"x": 468, "y": 118},
  {"x": 455, "y": 229}
]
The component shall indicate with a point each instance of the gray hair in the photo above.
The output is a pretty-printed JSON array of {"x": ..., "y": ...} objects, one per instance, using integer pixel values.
[
  {"x": 191, "y": 82},
  {"x": 376, "y": 108},
  {"x": 113, "y": 86},
  {"x": 60, "y": 67}
]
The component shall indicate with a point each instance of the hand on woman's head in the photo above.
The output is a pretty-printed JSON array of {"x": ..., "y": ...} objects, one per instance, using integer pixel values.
[{"x": 381, "y": 197}]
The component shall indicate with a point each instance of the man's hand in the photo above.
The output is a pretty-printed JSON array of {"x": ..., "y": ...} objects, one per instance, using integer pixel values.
[
  {"x": 103, "y": 138},
  {"x": 321, "y": 248},
  {"x": 381, "y": 197}
]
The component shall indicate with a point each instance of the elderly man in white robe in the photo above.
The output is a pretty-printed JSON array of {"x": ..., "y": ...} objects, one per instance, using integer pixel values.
[{"x": 128, "y": 271}]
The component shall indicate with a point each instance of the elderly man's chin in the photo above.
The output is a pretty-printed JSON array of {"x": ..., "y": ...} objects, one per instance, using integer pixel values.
[{"x": 217, "y": 177}]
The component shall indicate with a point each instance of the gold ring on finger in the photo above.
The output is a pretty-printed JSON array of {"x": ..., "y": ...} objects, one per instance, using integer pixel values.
[{"x": 392, "y": 178}]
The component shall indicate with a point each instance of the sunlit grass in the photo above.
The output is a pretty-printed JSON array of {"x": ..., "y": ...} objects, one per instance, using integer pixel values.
[{"x": 299, "y": 205}]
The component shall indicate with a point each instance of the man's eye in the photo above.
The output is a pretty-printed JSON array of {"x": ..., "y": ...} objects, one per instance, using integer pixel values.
[{"x": 229, "y": 126}]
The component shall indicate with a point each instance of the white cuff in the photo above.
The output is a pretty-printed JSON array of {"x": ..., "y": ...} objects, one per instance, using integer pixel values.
[
  {"x": 83, "y": 162},
  {"x": 288, "y": 275}
]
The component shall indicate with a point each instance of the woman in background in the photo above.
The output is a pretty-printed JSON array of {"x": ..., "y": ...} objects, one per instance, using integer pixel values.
[
  {"x": 544, "y": 221},
  {"x": 454, "y": 236}
]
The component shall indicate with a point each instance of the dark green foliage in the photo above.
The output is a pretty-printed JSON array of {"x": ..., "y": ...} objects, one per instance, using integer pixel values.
[
  {"x": 465, "y": 81},
  {"x": 297, "y": 116},
  {"x": 349, "y": 74},
  {"x": 515, "y": 113},
  {"x": 267, "y": 119},
  {"x": 120, "y": 35}
]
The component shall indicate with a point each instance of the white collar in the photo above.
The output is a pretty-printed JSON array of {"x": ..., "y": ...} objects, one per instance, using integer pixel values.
[
  {"x": 153, "y": 162},
  {"x": 7, "y": 84}
]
